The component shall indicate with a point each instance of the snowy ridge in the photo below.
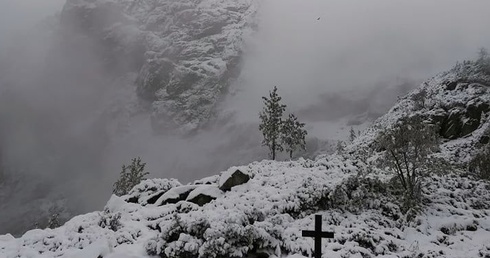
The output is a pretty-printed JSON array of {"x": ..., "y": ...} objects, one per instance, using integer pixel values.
[
  {"x": 266, "y": 215},
  {"x": 457, "y": 102}
]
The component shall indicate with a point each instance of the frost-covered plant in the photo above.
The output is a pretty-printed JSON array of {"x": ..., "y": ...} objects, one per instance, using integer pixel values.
[
  {"x": 110, "y": 220},
  {"x": 130, "y": 176},
  {"x": 407, "y": 152},
  {"x": 483, "y": 61},
  {"x": 271, "y": 122},
  {"x": 480, "y": 165},
  {"x": 54, "y": 220},
  {"x": 419, "y": 99},
  {"x": 352, "y": 134},
  {"x": 293, "y": 135}
]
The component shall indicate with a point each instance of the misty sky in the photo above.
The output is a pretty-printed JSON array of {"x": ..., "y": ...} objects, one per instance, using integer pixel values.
[
  {"x": 19, "y": 15},
  {"x": 356, "y": 44},
  {"x": 307, "y": 48}
]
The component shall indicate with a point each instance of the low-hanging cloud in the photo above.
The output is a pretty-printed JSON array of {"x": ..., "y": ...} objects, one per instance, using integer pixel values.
[
  {"x": 54, "y": 100},
  {"x": 315, "y": 47}
]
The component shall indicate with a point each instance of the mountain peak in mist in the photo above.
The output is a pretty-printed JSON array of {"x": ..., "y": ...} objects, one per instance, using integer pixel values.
[{"x": 186, "y": 53}]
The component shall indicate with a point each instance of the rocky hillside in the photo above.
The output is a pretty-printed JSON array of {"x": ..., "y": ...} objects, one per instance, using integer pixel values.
[
  {"x": 259, "y": 210},
  {"x": 185, "y": 53},
  {"x": 456, "y": 102}
]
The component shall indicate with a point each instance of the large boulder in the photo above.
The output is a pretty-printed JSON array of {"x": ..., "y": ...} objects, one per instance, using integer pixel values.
[
  {"x": 176, "y": 194},
  {"x": 204, "y": 194},
  {"x": 232, "y": 178}
]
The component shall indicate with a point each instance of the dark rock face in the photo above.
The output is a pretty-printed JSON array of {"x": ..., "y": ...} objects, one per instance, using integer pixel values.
[
  {"x": 202, "y": 199},
  {"x": 237, "y": 178},
  {"x": 452, "y": 125},
  {"x": 186, "y": 53},
  {"x": 153, "y": 199},
  {"x": 462, "y": 121}
]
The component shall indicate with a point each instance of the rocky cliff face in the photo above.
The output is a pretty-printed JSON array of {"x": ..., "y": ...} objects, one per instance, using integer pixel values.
[
  {"x": 456, "y": 102},
  {"x": 186, "y": 53}
]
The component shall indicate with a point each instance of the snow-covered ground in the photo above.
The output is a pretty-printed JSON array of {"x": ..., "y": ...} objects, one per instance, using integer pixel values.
[{"x": 268, "y": 213}]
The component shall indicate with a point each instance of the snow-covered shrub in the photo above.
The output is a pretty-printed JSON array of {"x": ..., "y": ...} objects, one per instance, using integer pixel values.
[
  {"x": 110, "y": 220},
  {"x": 480, "y": 165},
  {"x": 130, "y": 176},
  {"x": 483, "y": 61}
]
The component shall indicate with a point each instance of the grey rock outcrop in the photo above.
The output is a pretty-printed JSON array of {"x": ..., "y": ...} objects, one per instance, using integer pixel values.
[
  {"x": 186, "y": 53},
  {"x": 456, "y": 103}
]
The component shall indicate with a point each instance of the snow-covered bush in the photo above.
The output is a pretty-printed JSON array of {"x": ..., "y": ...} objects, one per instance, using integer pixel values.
[
  {"x": 483, "y": 61},
  {"x": 480, "y": 165},
  {"x": 110, "y": 220}
]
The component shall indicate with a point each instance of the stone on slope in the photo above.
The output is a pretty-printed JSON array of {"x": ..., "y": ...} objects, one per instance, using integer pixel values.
[
  {"x": 175, "y": 195},
  {"x": 231, "y": 179},
  {"x": 148, "y": 191},
  {"x": 204, "y": 194}
]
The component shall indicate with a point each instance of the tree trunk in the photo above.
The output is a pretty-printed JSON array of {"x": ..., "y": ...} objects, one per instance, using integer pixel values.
[
  {"x": 273, "y": 149},
  {"x": 290, "y": 154}
]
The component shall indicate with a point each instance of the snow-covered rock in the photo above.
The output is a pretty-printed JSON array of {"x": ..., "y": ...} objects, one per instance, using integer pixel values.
[
  {"x": 456, "y": 102},
  {"x": 149, "y": 191},
  {"x": 186, "y": 52},
  {"x": 204, "y": 194},
  {"x": 232, "y": 178},
  {"x": 176, "y": 194}
]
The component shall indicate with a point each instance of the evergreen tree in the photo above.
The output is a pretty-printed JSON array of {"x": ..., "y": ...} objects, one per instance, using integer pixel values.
[
  {"x": 293, "y": 135},
  {"x": 271, "y": 122},
  {"x": 352, "y": 134},
  {"x": 340, "y": 147},
  {"x": 130, "y": 176}
]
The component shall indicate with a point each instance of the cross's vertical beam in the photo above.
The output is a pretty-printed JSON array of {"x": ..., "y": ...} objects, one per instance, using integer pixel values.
[{"x": 318, "y": 238}]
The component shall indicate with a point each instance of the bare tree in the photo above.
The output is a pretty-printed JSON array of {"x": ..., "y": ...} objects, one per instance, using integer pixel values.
[{"x": 407, "y": 148}]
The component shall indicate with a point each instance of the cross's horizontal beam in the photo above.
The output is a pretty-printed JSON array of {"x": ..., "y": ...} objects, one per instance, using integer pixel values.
[{"x": 308, "y": 233}]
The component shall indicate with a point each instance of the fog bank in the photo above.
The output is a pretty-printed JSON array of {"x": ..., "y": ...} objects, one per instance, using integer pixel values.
[{"x": 67, "y": 124}]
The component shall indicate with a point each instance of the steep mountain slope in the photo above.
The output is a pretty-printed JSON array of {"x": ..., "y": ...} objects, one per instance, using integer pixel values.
[
  {"x": 186, "y": 53},
  {"x": 456, "y": 102},
  {"x": 259, "y": 210}
]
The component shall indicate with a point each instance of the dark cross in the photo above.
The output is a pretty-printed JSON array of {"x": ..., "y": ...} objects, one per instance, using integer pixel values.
[{"x": 318, "y": 235}]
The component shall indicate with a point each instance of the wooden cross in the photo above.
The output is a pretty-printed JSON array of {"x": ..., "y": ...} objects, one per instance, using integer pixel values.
[{"x": 318, "y": 235}]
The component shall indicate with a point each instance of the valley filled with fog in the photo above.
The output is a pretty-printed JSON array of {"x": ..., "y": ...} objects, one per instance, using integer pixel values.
[{"x": 70, "y": 114}]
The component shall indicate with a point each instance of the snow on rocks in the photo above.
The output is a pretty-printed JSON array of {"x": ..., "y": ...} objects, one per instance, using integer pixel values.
[
  {"x": 456, "y": 102},
  {"x": 176, "y": 194},
  {"x": 186, "y": 52},
  {"x": 204, "y": 194},
  {"x": 267, "y": 214},
  {"x": 231, "y": 178},
  {"x": 149, "y": 191}
]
